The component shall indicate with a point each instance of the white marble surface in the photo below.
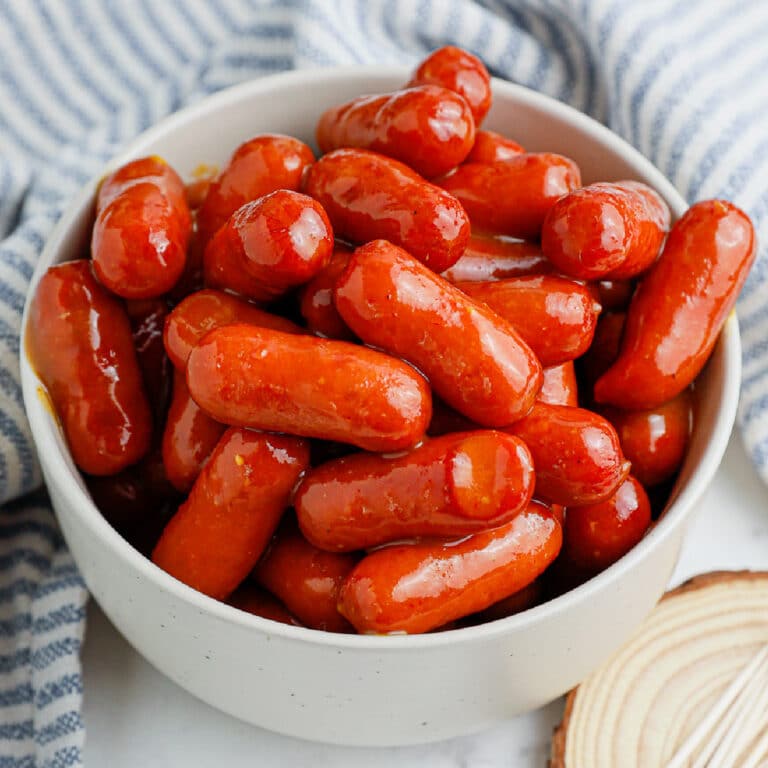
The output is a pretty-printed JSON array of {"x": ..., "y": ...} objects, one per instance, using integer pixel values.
[{"x": 135, "y": 717}]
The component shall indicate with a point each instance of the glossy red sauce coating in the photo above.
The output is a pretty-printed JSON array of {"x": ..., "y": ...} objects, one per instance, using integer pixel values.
[
  {"x": 316, "y": 299},
  {"x": 560, "y": 386},
  {"x": 554, "y": 316},
  {"x": 253, "y": 599},
  {"x": 142, "y": 229},
  {"x": 265, "y": 379},
  {"x": 428, "y": 128},
  {"x": 458, "y": 71},
  {"x": 654, "y": 439},
  {"x": 369, "y": 196},
  {"x": 497, "y": 257},
  {"x": 147, "y": 318},
  {"x": 269, "y": 245},
  {"x": 514, "y": 196},
  {"x": 597, "y": 535},
  {"x": 492, "y": 147},
  {"x": 448, "y": 486},
  {"x": 257, "y": 167},
  {"x": 305, "y": 578},
  {"x": 221, "y": 530},
  {"x": 189, "y": 438},
  {"x": 576, "y": 454},
  {"x": 680, "y": 306},
  {"x": 604, "y": 230},
  {"x": 417, "y": 587},
  {"x": 205, "y": 310},
  {"x": 80, "y": 344},
  {"x": 475, "y": 361}
]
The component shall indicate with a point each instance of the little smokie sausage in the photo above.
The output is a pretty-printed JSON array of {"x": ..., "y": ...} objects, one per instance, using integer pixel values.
[
  {"x": 458, "y": 71},
  {"x": 680, "y": 306},
  {"x": 306, "y": 578},
  {"x": 303, "y": 385},
  {"x": 81, "y": 347},
  {"x": 140, "y": 237},
  {"x": 449, "y": 486},
  {"x": 654, "y": 439},
  {"x": 576, "y": 454},
  {"x": 428, "y": 128},
  {"x": 497, "y": 257},
  {"x": 491, "y": 147},
  {"x": 605, "y": 230},
  {"x": 369, "y": 196},
  {"x": 219, "y": 533},
  {"x": 189, "y": 437},
  {"x": 418, "y": 587},
  {"x": 554, "y": 316},
  {"x": 261, "y": 165},
  {"x": 253, "y": 599},
  {"x": 474, "y": 359},
  {"x": 560, "y": 386},
  {"x": 205, "y": 310},
  {"x": 146, "y": 169},
  {"x": 269, "y": 245},
  {"x": 316, "y": 299},
  {"x": 597, "y": 535},
  {"x": 514, "y": 196}
]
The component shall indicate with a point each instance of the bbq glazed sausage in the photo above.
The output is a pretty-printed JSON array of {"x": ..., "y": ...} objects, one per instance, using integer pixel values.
[
  {"x": 316, "y": 299},
  {"x": 576, "y": 454},
  {"x": 605, "y": 230},
  {"x": 418, "y": 587},
  {"x": 654, "y": 439},
  {"x": 554, "y": 316},
  {"x": 368, "y": 196},
  {"x": 428, "y": 128},
  {"x": 475, "y": 361},
  {"x": 265, "y": 379},
  {"x": 140, "y": 237},
  {"x": 189, "y": 438},
  {"x": 81, "y": 347},
  {"x": 305, "y": 578},
  {"x": 681, "y": 304},
  {"x": 458, "y": 71},
  {"x": 269, "y": 245},
  {"x": 597, "y": 535},
  {"x": 491, "y": 147},
  {"x": 497, "y": 257},
  {"x": 219, "y": 533},
  {"x": 514, "y": 196},
  {"x": 205, "y": 310},
  {"x": 257, "y": 167},
  {"x": 560, "y": 386},
  {"x": 449, "y": 486}
]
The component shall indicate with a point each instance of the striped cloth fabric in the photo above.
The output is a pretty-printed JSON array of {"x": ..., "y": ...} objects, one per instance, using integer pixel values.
[{"x": 683, "y": 81}]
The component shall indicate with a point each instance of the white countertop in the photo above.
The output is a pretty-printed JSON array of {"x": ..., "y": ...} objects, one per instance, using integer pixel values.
[{"x": 135, "y": 717}]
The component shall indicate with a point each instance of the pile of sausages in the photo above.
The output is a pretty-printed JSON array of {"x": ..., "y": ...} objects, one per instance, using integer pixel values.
[{"x": 409, "y": 377}]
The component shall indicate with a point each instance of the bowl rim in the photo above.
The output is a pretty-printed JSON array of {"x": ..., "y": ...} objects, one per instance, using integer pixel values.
[{"x": 43, "y": 424}]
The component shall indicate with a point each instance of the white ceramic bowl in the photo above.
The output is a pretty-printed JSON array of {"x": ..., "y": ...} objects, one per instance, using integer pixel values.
[{"x": 356, "y": 689}]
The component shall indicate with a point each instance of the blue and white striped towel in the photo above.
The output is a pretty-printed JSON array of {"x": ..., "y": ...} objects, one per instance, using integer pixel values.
[{"x": 683, "y": 80}]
